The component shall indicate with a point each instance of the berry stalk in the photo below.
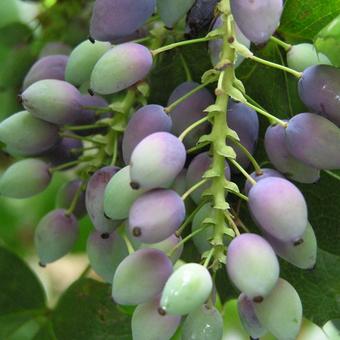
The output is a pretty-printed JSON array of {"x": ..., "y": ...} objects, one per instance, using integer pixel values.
[{"x": 219, "y": 122}]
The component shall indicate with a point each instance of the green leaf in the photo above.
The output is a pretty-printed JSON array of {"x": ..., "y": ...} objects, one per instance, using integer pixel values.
[
  {"x": 168, "y": 72},
  {"x": 22, "y": 299},
  {"x": 86, "y": 311},
  {"x": 12, "y": 324},
  {"x": 224, "y": 287},
  {"x": 274, "y": 90},
  {"x": 28, "y": 330},
  {"x": 328, "y": 41},
  {"x": 46, "y": 332},
  {"x": 9, "y": 103},
  {"x": 9, "y": 12},
  {"x": 302, "y": 19},
  {"x": 324, "y": 211},
  {"x": 16, "y": 66},
  {"x": 319, "y": 289},
  {"x": 14, "y": 34},
  {"x": 20, "y": 290}
]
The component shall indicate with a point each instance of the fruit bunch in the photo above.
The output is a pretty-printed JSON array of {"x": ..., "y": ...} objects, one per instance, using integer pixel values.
[{"x": 145, "y": 173}]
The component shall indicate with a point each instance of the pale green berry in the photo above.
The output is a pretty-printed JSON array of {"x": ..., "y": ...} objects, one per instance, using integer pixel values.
[{"x": 186, "y": 289}]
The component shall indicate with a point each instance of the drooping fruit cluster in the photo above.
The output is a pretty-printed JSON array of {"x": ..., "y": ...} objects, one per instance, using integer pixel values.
[{"x": 144, "y": 173}]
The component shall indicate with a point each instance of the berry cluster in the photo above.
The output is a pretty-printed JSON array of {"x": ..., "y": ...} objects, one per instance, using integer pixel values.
[{"x": 144, "y": 173}]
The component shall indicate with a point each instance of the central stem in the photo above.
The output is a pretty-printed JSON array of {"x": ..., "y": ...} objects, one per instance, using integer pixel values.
[{"x": 219, "y": 132}]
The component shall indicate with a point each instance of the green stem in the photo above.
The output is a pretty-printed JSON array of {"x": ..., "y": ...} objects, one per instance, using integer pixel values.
[
  {"x": 180, "y": 100},
  {"x": 208, "y": 258},
  {"x": 232, "y": 223},
  {"x": 85, "y": 127},
  {"x": 186, "y": 239},
  {"x": 190, "y": 218},
  {"x": 86, "y": 148},
  {"x": 198, "y": 147},
  {"x": 129, "y": 99},
  {"x": 192, "y": 127},
  {"x": 82, "y": 138},
  {"x": 244, "y": 172},
  {"x": 193, "y": 188},
  {"x": 185, "y": 67},
  {"x": 244, "y": 197},
  {"x": 75, "y": 200},
  {"x": 181, "y": 43},
  {"x": 65, "y": 165},
  {"x": 278, "y": 66},
  {"x": 128, "y": 243},
  {"x": 218, "y": 133},
  {"x": 265, "y": 163},
  {"x": 252, "y": 101},
  {"x": 114, "y": 149},
  {"x": 97, "y": 109},
  {"x": 270, "y": 117},
  {"x": 126, "y": 104},
  {"x": 85, "y": 272},
  {"x": 281, "y": 43},
  {"x": 253, "y": 161},
  {"x": 153, "y": 19},
  {"x": 114, "y": 133},
  {"x": 142, "y": 40},
  {"x": 286, "y": 76},
  {"x": 331, "y": 173},
  {"x": 239, "y": 221}
]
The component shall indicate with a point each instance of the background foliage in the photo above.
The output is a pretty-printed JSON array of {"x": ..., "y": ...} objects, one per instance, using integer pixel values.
[{"x": 85, "y": 310}]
